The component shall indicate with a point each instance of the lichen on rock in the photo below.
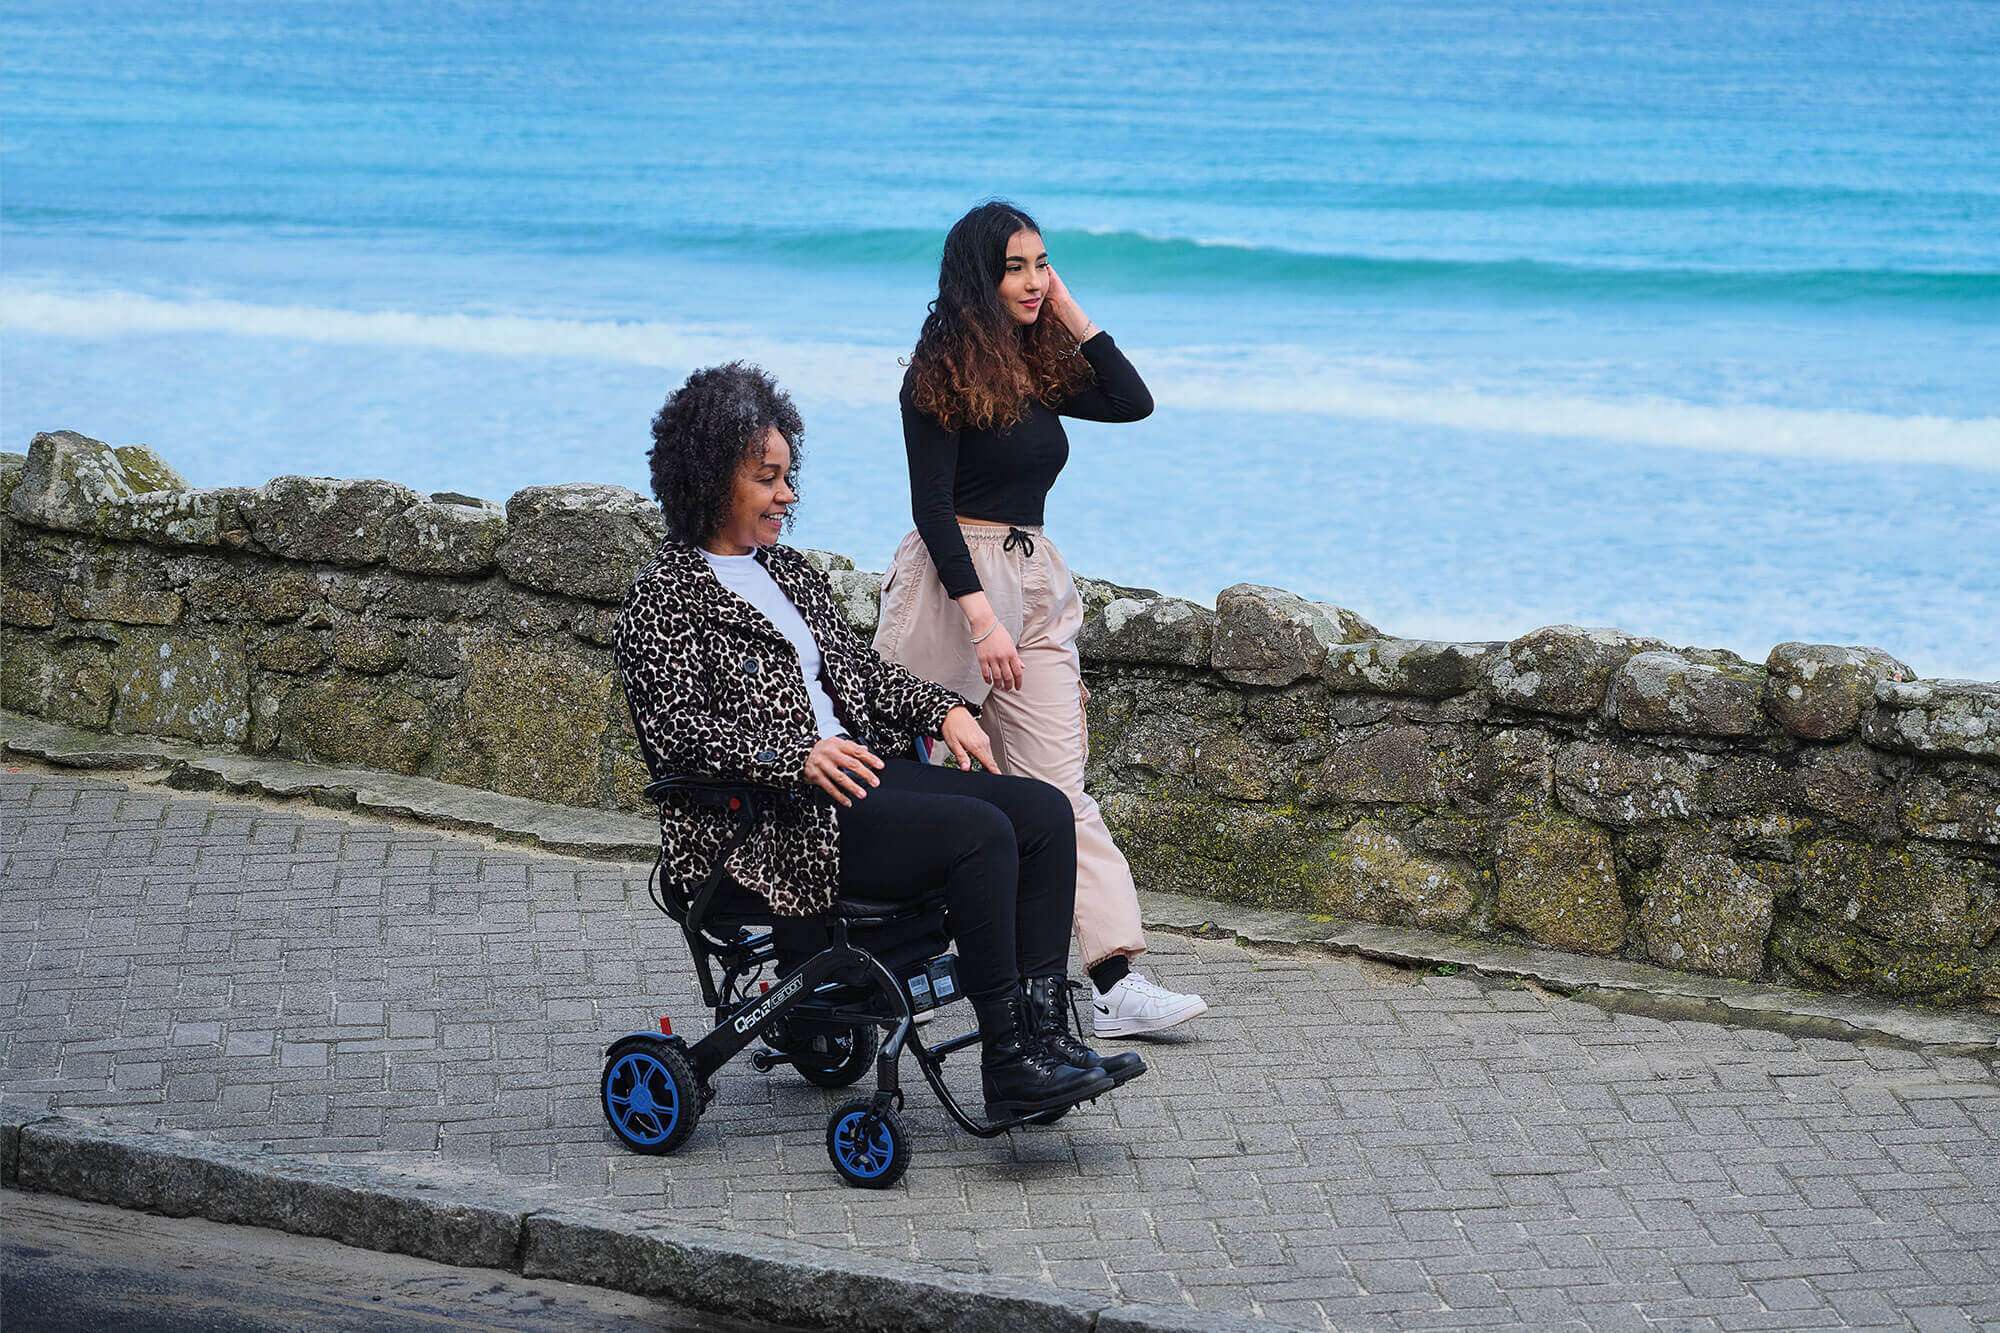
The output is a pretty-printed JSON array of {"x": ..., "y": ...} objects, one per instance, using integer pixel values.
[
  {"x": 1557, "y": 883},
  {"x": 1664, "y": 692},
  {"x": 430, "y": 537},
  {"x": 1819, "y": 691},
  {"x": 1895, "y": 920},
  {"x": 1957, "y": 802},
  {"x": 68, "y": 680},
  {"x": 325, "y": 519},
  {"x": 1372, "y": 874},
  {"x": 191, "y": 685},
  {"x": 531, "y": 723},
  {"x": 858, "y": 595},
  {"x": 1846, "y": 784},
  {"x": 69, "y": 480},
  {"x": 1564, "y": 670},
  {"x": 1398, "y": 763},
  {"x": 1624, "y": 785},
  {"x": 346, "y": 719},
  {"x": 1954, "y": 718},
  {"x": 581, "y": 540},
  {"x": 1150, "y": 631},
  {"x": 1419, "y": 668},
  {"x": 1267, "y": 636},
  {"x": 1701, "y": 911}
]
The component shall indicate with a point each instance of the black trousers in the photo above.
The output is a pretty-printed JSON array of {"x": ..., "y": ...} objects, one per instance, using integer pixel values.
[{"x": 1003, "y": 848}]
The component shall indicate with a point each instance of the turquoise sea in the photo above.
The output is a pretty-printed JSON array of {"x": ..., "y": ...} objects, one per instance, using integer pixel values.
[{"x": 1470, "y": 316}]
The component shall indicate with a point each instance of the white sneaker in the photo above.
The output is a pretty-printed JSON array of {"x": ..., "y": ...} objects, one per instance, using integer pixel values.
[{"x": 1136, "y": 1005}]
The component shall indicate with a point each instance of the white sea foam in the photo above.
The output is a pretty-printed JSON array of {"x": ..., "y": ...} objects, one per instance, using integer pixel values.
[
  {"x": 841, "y": 370},
  {"x": 1280, "y": 381},
  {"x": 1190, "y": 379}
]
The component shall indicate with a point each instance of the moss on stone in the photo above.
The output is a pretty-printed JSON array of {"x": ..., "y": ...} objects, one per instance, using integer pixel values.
[
  {"x": 1903, "y": 894},
  {"x": 192, "y": 685},
  {"x": 367, "y": 649},
  {"x": 533, "y": 723},
  {"x": 26, "y": 608},
  {"x": 626, "y": 774},
  {"x": 67, "y": 680},
  {"x": 354, "y": 720},
  {"x": 1242, "y": 853},
  {"x": 146, "y": 470},
  {"x": 1702, "y": 911},
  {"x": 294, "y": 653},
  {"x": 121, "y": 605},
  {"x": 1558, "y": 884},
  {"x": 1372, "y": 874},
  {"x": 1829, "y": 957}
]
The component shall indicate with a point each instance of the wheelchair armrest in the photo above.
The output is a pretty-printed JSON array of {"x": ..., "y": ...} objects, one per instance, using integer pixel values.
[{"x": 719, "y": 793}]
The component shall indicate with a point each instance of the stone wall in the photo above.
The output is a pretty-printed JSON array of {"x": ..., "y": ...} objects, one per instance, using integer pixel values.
[{"x": 1822, "y": 817}]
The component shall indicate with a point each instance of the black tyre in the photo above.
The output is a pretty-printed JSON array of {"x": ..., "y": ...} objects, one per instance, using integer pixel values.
[
  {"x": 869, "y": 1148},
  {"x": 650, "y": 1096},
  {"x": 836, "y": 1057}
]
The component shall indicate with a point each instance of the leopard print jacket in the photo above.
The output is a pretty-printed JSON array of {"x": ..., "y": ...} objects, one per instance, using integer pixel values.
[{"x": 718, "y": 692}]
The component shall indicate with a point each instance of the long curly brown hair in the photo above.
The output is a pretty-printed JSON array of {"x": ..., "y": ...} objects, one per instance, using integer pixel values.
[{"x": 974, "y": 366}]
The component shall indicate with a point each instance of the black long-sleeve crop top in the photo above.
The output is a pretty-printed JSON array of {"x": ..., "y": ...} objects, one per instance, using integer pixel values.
[{"x": 1005, "y": 474}]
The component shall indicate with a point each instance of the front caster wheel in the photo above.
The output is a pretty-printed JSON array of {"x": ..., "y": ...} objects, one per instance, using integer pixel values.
[
  {"x": 869, "y": 1147},
  {"x": 650, "y": 1096}
]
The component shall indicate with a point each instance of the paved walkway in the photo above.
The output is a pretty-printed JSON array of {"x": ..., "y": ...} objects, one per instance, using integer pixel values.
[{"x": 1336, "y": 1144}]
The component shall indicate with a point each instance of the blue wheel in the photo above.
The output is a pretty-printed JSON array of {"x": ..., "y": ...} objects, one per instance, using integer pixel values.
[
  {"x": 650, "y": 1097},
  {"x": 869, "y": 1148}
]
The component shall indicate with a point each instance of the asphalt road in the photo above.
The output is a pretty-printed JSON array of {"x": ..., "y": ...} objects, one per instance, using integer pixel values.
[{"x": 67, "y": 1266}]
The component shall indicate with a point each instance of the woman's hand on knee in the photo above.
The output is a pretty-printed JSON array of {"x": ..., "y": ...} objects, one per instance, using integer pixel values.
[
  {"x": 839, "y": 766},
  {"x": 967, "y": 739}
]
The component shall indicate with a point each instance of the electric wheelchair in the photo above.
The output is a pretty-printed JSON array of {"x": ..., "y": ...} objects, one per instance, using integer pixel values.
[{"x": 840, "y": 983}]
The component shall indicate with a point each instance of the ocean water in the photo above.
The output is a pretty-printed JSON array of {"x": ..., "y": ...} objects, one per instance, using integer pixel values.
[{"x": 1471, "y": 317}]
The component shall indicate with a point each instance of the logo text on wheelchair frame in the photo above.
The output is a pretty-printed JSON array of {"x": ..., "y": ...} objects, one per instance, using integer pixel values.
[{"x": 771, "y": 1001}]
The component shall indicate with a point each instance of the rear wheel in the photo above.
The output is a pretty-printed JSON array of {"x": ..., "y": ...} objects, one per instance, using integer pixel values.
[
  {"x": 650, "y": 1096},
  {"x": 836, "y": 1057}
]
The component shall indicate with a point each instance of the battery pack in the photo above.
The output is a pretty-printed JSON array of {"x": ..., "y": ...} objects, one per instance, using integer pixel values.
[{"x": 934, "y": 984}]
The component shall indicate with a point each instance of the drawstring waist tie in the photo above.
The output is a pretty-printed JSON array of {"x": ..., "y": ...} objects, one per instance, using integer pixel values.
[{"x": 1016, "y": 537}]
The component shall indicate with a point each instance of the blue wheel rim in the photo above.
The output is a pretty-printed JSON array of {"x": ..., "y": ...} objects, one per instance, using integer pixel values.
[
  {"x": 864, "y": 1155},
  {"x": 641, "y": 1099}
]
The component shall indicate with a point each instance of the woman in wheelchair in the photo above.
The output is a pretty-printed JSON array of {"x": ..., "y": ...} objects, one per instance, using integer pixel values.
[{"x": 739, "y": 666}]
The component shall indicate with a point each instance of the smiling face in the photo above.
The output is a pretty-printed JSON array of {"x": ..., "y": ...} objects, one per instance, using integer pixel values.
[
  {"x": 758, "y": 501},
  {"x": 1025, "y": 280}
]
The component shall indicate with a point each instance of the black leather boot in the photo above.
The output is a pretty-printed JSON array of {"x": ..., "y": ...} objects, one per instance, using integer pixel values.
[
  {"x": 1018, "y": 1074},
  {"x": 1048, "y": 1002}
]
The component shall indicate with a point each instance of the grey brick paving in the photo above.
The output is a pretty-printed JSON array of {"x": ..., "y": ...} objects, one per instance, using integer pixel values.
[{"x": 1336, "y": 1145}]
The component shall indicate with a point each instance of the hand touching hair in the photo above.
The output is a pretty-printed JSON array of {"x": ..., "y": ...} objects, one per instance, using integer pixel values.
[{"x": 974, "y": 365}]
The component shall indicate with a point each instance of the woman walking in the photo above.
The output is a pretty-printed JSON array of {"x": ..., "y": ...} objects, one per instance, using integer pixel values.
[{"x": 978, "y": 598}]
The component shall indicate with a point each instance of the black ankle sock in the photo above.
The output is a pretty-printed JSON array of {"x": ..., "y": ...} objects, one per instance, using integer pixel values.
[{"x": 1110, "y": 972}]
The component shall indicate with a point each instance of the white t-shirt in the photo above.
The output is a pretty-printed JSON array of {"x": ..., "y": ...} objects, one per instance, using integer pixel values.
[{"x": 748, "y": 579}]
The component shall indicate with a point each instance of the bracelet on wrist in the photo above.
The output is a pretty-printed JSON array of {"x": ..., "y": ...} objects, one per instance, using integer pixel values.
[{"x": 981, "y": 638}]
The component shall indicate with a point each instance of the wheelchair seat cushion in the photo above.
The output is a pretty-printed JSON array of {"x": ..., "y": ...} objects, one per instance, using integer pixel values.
[{"x": 913, "y": 932}]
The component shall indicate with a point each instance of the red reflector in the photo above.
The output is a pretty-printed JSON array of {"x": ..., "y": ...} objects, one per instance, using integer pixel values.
[
  {"x": 736, "y": 803},
  {"x": 763, "y": 987},
  {"x": 666, "y": 1026}
]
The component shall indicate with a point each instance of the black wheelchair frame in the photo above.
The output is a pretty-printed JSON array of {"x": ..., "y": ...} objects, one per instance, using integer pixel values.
[{"x": 824, "y": 1018}]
